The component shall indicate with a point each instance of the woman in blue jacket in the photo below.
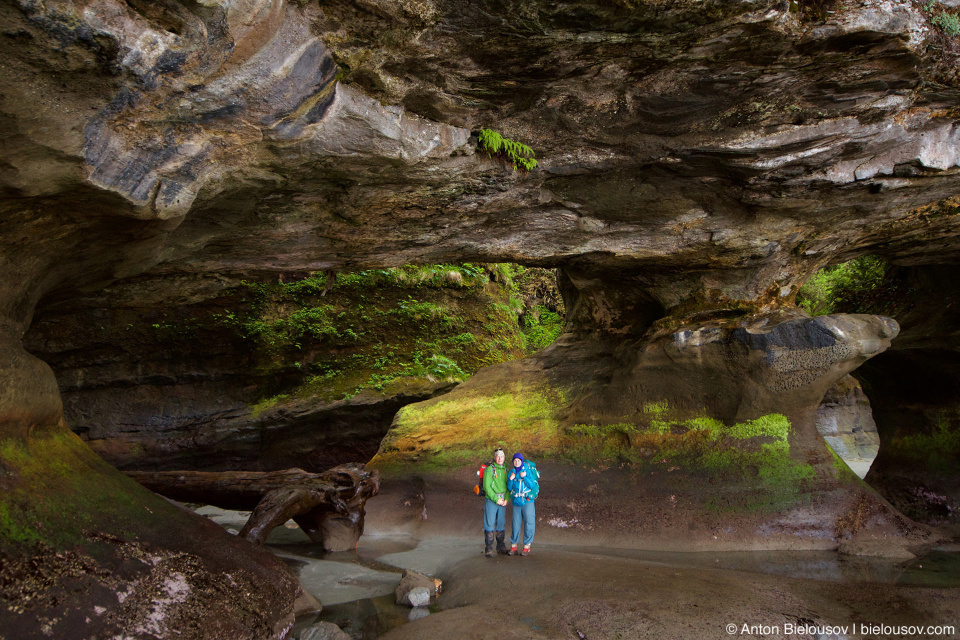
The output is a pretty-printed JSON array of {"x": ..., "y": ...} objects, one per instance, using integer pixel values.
[{"x": 524, "y": 486}]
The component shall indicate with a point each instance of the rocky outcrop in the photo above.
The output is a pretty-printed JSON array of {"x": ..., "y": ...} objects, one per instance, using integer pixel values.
[
  {"x": 719, "y": 418},
  {"x": 698, "y": 162},
  {"x": 86, "y": 552}
]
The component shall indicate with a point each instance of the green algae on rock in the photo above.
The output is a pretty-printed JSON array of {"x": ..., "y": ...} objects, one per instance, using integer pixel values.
[
  {"x": 456, "y": 432},
  {"x": 77, "y": 536},
  {"x": 754, "y": 454}
]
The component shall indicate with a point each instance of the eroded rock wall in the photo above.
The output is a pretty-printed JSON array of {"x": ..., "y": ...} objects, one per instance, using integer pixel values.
[
  {"x": 689, "y": 137},
  {"x": 219, "y": 373}
]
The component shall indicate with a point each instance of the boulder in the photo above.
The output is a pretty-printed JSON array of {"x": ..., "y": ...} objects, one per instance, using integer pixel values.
[
  {"x": 419, "y": 597},
  {"x": 415, "y": 589},
  {"x": 306, "y": 603}
]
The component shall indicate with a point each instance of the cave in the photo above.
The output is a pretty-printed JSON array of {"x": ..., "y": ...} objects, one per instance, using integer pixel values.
[{"x": 263, "y": 235}]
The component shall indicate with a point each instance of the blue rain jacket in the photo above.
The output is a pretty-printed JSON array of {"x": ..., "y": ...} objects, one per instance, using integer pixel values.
[{"x": 524, "y": 489}]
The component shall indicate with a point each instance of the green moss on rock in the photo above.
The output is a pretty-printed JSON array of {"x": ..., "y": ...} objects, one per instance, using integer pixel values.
[
  {"x": 56, "y": 491},
  {"x": 753, "y": 455},
  {"x": 937, "y": 450},
  {"x": 444, "y": 433}
]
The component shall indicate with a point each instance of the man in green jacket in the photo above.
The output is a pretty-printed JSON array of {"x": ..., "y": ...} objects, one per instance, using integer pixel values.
[{"x": 495, "y": 504}]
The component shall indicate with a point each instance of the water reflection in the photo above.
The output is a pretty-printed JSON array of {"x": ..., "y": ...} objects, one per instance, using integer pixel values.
[
  {"x": 935, "y": 569},
  {"x": 366, "y": 619}
]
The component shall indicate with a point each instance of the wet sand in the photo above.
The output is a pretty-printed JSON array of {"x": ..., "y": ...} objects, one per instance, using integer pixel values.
[
  {"x": 600, "y": 593},
  {"x": 561, "y": 593}
]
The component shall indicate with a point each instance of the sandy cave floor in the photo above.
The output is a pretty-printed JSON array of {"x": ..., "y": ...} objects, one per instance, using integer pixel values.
[
  {"x": 564, "y": 593},
  {"x": 603, "y": 593}
]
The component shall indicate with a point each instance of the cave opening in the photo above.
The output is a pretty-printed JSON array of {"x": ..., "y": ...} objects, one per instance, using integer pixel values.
[
  {"x": 210, "y": 210},
  {"x": 845, "y": 416},
  {"x": 904, "y": 404}
]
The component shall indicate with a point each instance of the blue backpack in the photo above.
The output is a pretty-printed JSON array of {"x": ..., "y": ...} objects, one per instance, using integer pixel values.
[
  {"x": 533, "y": 474},
  {"x": 532, "y": 479}
]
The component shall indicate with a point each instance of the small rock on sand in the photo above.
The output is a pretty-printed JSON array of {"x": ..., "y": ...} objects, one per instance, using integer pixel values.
[
  {"x": 419, "y": 597},
  {"x": 324, "y": 631},
  {"x": 415, "y": 589}
]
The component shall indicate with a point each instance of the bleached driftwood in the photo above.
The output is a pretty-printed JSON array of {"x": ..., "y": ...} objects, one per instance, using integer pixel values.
[{"x": 328, "y": 506}]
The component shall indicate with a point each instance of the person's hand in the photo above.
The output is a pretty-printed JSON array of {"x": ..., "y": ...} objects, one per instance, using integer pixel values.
[
  {"x": 513, "y": 476},
  {"x": 503, "y": 502},
  {"x": 523, "y": 474}
]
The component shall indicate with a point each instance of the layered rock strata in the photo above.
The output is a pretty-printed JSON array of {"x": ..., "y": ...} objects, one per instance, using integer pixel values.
[{"x": 218, "y": 373}]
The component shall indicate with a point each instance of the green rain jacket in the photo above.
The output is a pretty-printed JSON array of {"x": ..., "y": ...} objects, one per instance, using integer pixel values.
[{"x": 495, "y": 481}]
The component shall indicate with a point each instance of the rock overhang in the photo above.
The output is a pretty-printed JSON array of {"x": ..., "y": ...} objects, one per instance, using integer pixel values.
[
  {"x": 807, "y": 122},
  {"x": 698, "y": 162}
]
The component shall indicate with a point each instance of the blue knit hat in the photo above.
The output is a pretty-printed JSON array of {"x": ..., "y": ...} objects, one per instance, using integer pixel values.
[{"x": 518, "y": 456}]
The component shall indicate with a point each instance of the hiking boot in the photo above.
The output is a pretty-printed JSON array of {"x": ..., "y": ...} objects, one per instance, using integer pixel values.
[
  {"x": 526, "y": 550},
  {"x": 488, "y": 543},
  {"x": 501, "y": 543},
  {"x": 513, "y": 551}
]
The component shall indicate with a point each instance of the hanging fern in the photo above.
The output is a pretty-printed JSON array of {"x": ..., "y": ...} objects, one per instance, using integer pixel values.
[{"x": 496, "y": 146}]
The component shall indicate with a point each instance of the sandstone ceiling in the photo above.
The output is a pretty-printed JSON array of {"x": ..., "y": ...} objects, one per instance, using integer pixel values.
[{"x": 715, "y": 151}]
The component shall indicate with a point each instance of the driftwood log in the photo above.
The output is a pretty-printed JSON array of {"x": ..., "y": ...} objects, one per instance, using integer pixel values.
[{"x": 328, "y": 506}]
